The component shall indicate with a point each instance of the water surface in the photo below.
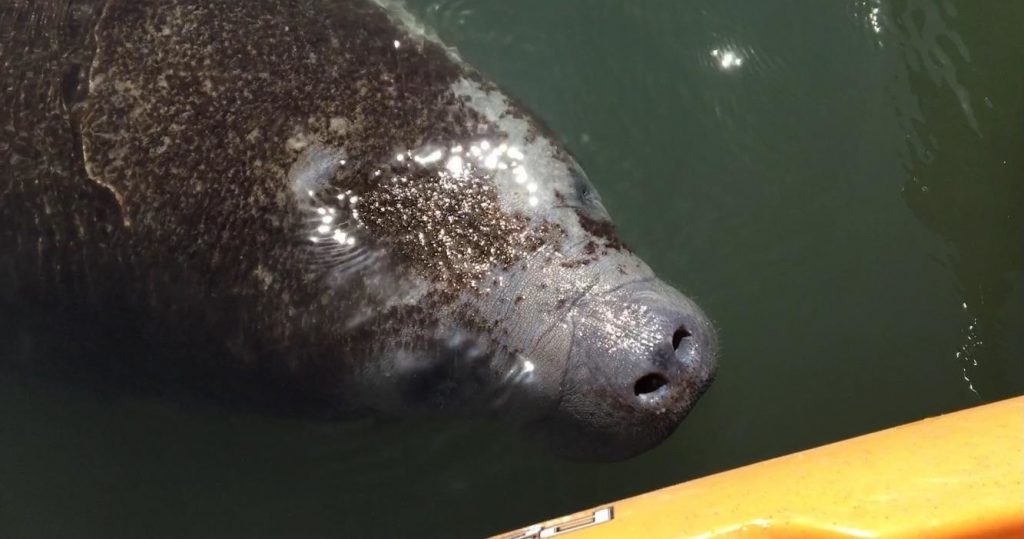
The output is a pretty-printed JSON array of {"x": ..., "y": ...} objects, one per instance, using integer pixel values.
[{"x": 838, "y": 184}]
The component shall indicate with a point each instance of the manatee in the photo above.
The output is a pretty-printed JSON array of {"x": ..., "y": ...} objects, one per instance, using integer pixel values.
[{"x": 315, "y": 208}]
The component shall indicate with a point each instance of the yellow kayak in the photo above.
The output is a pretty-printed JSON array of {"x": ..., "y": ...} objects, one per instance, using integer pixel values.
[{"x": 958, "y": 475}]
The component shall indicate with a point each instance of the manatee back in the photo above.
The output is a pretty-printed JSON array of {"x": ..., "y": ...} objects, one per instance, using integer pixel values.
[{"x": 147, "y": 147}]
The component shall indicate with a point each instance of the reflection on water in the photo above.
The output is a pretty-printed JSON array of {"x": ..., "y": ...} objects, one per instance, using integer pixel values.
[
  {"x": 727, "y": 59},
  {"x": 839, "y": 185},
  {"x": 966, "y": 177},
  {"x": 870, "y": 14},
  {"x": 930, "y": 47}
]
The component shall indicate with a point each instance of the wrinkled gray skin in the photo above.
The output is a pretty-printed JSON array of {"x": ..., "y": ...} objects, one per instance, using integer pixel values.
[{"x": 310, "y": 207}]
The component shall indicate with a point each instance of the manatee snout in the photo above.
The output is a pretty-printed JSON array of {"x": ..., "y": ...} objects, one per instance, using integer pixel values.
[{"x": 640, "y": 358}]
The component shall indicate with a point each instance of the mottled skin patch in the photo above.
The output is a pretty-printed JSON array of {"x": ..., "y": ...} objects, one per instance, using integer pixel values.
[{"x": 452, "y": 230}]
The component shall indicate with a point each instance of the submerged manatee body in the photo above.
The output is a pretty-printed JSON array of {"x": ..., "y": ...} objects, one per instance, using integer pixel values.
[{"x": 354, "y": 219}]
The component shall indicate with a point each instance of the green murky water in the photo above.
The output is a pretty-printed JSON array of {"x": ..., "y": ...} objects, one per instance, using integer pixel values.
[{"x": 839, "y": 184}]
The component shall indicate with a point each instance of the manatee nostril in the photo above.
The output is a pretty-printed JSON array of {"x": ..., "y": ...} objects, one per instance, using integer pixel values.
[
  {"x": 649, "y": 383},
  {"x": 678, "y": 337}
]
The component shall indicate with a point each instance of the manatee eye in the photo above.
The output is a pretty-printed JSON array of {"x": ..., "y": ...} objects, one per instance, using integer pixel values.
[{"x": 585, "y": 192}]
